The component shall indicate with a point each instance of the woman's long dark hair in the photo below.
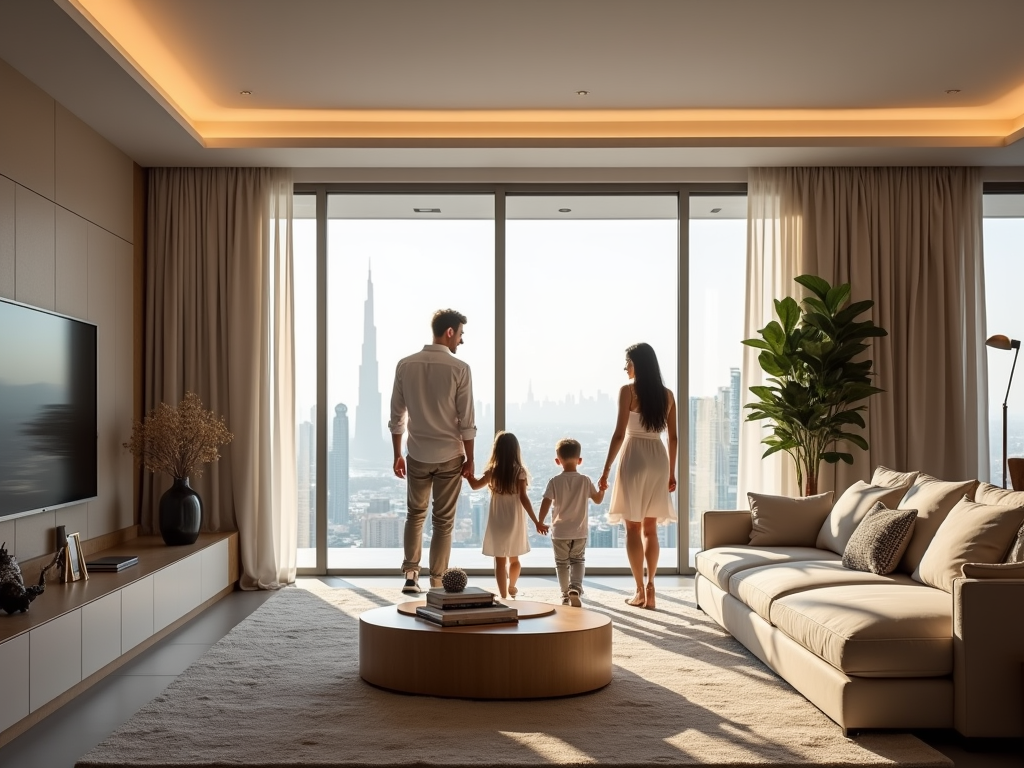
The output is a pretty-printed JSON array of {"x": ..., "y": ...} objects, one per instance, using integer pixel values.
[
  {"x": 650, "y": 389},
  {"x": 506, "y": 463}
]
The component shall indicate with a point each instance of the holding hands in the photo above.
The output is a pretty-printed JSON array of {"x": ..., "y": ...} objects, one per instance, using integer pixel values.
[{"x": 542, "y": 529}]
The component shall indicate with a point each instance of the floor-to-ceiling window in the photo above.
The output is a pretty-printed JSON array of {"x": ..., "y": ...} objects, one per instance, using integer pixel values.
[
  {"x": 1004, "y": 262},
  {"x": 555, "y": 288},
  {"x": 717, "y": 269}
]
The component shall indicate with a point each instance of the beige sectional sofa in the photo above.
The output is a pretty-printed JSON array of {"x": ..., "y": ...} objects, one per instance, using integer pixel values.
[{"x": 937, "y": 643}]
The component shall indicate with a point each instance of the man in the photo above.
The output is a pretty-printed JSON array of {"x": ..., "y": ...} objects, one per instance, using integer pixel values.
[{"x": 432, "y": 400}]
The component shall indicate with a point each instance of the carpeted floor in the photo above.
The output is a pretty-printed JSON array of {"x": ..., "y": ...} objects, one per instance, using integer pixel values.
[{"x": 283, "y": 689}]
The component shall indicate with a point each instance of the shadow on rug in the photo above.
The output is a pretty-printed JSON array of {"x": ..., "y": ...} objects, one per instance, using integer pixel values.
[{"x": 283, "y": 689}]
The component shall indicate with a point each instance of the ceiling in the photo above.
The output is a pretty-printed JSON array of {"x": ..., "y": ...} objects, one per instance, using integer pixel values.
[{"x": 470, "y": 84}]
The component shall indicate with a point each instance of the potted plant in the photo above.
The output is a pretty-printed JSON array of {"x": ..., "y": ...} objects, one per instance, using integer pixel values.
[
  {"x": 179, "y": 440},
  {"x": 814, "y": 383}
]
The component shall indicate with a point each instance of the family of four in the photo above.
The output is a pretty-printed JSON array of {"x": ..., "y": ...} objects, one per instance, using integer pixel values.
[{"x": 432, "y": 403}]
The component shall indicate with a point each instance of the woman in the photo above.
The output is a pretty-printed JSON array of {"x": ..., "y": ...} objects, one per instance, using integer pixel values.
[{"x": 646, "y": 473}]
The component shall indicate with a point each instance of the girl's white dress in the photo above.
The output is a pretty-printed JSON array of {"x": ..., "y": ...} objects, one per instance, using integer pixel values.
[
  {"x": 640, "y": 485},
  {"x": 505, "y": 535}
]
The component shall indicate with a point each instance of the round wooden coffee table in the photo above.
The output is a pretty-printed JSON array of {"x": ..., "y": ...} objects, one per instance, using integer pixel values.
[{"x": 564, "y": 652}]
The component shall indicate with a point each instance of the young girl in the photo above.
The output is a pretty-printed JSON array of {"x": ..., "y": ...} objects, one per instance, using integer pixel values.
[{"x": 505, "y": 537}]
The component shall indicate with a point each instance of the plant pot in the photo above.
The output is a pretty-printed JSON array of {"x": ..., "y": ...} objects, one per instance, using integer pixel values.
[{"x": 181, "y": 514}]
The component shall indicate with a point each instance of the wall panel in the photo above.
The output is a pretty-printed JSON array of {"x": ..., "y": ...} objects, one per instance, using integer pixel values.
[
  {"x": 94, "y": 178},
  {"x": 7, "y": 237},
  {"x": 26, "y": 132},
  {"x": 34, "y": 534},
  {"x": 34, "y": 258},
  {"x": 72, "y": 279},
  {"x": 124, "y": 375}
]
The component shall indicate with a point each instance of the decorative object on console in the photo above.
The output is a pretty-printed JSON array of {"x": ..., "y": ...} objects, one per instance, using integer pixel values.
[
  {"x": 61, "y": 558},
  {"x": 808, "y": 353},
  {"x": 112, "y": 563},
  {"x": 14, "y": 595},
  {"x": 1003, "y": 342},
  {"x": 75, "y": 568},
  {"x": 178, "y": 441},
  {"x": 454, "y": 580},
  {"x": 1015, "y": 465}
]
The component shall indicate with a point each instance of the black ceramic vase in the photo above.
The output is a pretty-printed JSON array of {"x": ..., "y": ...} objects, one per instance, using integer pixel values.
[{"x": 181, "y": 514}]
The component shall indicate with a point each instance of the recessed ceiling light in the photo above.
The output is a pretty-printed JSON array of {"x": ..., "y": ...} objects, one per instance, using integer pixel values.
[
  {"x": 952, "y": 91},
  {"x": 427, "y": 210},
  {"x": 245, "y": 93},
  {"x": 565, "y": 210},
  {"x": 716, "y": 210},
  {"x": 582, "y": 93}
]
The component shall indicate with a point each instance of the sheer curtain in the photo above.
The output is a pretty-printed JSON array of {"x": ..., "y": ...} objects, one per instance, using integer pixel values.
[
  {"x": 910, "y": 240},
  {"x": 219, "y": 323}
]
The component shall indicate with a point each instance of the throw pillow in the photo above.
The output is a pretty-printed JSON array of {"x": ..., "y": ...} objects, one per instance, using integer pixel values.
[
  {"x": 1016, "y": 553},
  {"x": 993, "y": 570},
  {"x": 891, "y": 478},
  {"x": 993, "y": 494},
  {"x": 932, "y": 499},
  {"x": 880, "y": 540},
  {"x": 971, "y": 533},
  {"x": 781, "y": 521},
  {"x": 849, "y": 510}
]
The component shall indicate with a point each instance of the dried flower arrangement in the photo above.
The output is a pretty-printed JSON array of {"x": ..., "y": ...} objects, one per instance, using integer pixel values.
[{"x": 178, "y": 440}]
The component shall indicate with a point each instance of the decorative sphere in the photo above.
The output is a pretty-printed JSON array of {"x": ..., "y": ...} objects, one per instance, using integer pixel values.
[{"x": 454, "y": 580}]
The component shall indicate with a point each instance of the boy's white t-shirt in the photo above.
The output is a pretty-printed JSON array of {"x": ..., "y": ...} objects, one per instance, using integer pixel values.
[{"x": 569, "y": 493}]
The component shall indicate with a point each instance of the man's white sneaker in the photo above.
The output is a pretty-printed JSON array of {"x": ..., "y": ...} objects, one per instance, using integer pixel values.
[{"x": 412, "y": 583}]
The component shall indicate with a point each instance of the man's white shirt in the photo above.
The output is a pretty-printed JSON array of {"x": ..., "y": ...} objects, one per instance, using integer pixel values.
[{"x": 432, "y": 400}]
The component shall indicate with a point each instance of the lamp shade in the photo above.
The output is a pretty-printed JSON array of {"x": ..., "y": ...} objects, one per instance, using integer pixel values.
[{"x": 1002, "y": 342}]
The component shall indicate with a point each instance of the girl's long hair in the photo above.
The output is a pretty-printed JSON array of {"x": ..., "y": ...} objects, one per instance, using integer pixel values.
[
  {"x": 505, "y": 464},
  {"x": 650, "y": 389}
]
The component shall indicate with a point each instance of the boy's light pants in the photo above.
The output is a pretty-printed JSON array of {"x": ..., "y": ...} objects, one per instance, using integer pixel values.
[{"x": 569, "y": 559}]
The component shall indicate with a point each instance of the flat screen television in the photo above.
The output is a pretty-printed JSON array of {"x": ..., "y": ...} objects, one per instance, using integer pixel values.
[{"x": 48, "y": 429}]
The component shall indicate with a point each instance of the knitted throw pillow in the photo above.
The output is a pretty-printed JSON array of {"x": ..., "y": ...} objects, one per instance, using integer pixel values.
[{"x": 879, "y": 541}]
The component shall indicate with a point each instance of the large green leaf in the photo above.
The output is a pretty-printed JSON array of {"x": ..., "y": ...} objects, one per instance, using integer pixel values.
[
  {"x": 789, "y": 313},
  {"x": 836, "y": 297},
  {"x": 768, "y": 364},
  {"x": 775, "y": 336},
  {"x": 815, "y": 284},
  {"x": 756, "y": 343}
]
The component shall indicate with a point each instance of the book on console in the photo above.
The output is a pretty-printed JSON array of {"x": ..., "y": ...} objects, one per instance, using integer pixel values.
[
  {"x": 464, "y": 617},
  {"x": 112, "y": 563}
]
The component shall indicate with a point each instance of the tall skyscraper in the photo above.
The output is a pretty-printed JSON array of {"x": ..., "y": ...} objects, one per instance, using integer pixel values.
[
  {"x": 305, "y": 475},
  {"x": 337, "y": 466},
  {"x": 369, "y": 446},
  {"x": 735, "y": 413}
]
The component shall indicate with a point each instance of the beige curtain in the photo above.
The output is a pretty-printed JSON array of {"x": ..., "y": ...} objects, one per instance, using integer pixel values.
[
  {"x": 219, "y": 323},
  {"x": 909, "y": 239}
]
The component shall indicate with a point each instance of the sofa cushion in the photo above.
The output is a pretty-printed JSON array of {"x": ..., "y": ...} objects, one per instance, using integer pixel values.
[
  {"x": 758, "y": 588},
  {"x": 932, "y": 499},
  {"x": 849, "y": 510},
  {"x": 993, "y": 494},
  {"x": 873, "y": 630},
  {"x": 971, "y": 533},
  {"x": 993, "y": 570},
  {"x": 782, "y": 521},
  {"x": 719, "y": 564},
  {"x": 880, "y": 540},
  {"x": 891, "y": 478}
]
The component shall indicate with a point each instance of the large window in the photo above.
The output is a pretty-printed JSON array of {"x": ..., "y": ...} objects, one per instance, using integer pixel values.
[
  {"x": 718, "y": 230},
  {"x": 1004, "y": 262},
  {"x": 554, "y": 290}
]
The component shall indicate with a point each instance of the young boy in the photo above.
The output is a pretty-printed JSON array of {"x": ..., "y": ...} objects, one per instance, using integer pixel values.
[{"x": 567, "y": 493}]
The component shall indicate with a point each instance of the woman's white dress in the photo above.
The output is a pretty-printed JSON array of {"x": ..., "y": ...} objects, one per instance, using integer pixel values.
[
  {"x": 505, "y": 535},
  {"x": 640, "y": 485}
]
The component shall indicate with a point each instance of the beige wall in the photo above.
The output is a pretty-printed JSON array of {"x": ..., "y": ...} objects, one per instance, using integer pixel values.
[{"x": 66, "y": 232}]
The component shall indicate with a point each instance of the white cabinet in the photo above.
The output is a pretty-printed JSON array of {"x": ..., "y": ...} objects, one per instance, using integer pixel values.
[
  {"x": 176, "y": 590},
  {"x": 214, "y": 571},
  {"x": 101, "y": 633},
  {"x": 14, "y": 703},
  {"x": 136, "y": 613},
  {"x": 55, "y": 658}
]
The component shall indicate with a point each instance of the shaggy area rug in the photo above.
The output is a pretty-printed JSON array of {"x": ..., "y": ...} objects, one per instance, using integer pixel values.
[{"x": 283, "y": 689}]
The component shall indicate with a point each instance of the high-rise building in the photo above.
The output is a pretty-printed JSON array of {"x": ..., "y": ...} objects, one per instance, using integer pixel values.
[
  {"x": 383, "y": 531},
  {"x": 368, "y": 445},
  {"x": 305, "y": 473},
  {"x": 337, "y": 466},
  {"x": 735, "y": 410}
]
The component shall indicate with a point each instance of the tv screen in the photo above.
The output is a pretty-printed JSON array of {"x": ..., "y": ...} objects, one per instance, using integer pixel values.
[{"x": 48, "y": 431}]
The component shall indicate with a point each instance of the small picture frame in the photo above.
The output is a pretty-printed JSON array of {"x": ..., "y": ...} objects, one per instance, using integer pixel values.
[{"x": 75, "y": 564}]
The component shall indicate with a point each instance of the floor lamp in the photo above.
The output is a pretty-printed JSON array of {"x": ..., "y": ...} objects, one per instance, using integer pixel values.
[{"x": 1003, "y": 342}]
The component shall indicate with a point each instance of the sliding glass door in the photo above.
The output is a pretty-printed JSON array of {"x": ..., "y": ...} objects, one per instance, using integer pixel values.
[{"x": 555, "y": 285}]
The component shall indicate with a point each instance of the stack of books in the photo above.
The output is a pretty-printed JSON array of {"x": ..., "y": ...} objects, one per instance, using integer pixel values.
[
  {"x": 113, "y": 564},
  {"x": 466, "y": 608}
]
